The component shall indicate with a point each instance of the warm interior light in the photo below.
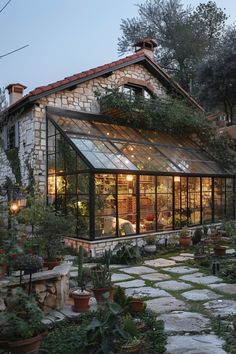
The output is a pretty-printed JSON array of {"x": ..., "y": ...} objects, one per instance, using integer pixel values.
[
  {"x": 79, "y": 204},
  {"x": 176, "y": 178},
  {"x": 14, "y": 206},
  {"x": 129, "y": 178}
]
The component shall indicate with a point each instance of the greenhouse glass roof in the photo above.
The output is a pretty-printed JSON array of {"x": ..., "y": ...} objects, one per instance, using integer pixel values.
[{"x": 110, "y": 146}]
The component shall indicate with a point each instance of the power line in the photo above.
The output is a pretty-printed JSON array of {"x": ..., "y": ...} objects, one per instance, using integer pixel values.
[
  {"x": 5, "y": 6},
  {"x": 13, "y": 51}
]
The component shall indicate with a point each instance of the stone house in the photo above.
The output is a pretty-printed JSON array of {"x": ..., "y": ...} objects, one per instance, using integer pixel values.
[{"x": 104, "y": 172}]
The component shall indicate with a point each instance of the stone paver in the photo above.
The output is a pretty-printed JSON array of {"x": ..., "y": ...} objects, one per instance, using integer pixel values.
[
  {"x": 200, "y": 295},
  {"x": 137, "y": 270},
  {"x": 146, "y": 291},
  {"x": 188, "y": 255},
  {"x": 221, "y": 308},
  {"x": 136, "y": 283},
  {"x": 173, "y": 285},
  {"x": 166, "y": 304},
  {"x": 181, "y": 270},
  {"x": 190, "y": 322},
  {"x": 74, "y": 274},
  {"x": 120, "y": 277},
  {"x": 198, "y": 344},
  {"x": 230, "y": 251},
  {"x": 200, "y": 278},
  {"x": 160, "y": 262},
  {"x": 179, "y": 258},
  {"x": 224, "y": 288},
  {"x": 155, "y": 276}
]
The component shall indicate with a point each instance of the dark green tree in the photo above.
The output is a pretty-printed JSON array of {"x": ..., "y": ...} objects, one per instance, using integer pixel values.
[
  {"x": 217, "y": 77},
  {"x": 184, "y": 36}
]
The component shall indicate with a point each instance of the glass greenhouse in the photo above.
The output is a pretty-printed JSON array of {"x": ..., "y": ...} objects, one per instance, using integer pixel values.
[{"x": 119, "y": 181}]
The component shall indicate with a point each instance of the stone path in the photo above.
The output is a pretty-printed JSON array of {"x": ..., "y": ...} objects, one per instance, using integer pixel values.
[
  {"x": 174, "y": 291},
  {"x": 170, "y": 289}
]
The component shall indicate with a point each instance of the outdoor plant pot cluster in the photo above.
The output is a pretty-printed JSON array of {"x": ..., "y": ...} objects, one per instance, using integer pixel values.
[
  {"x": 185, "y": 237},
  {"x": 21, "y": 329}
]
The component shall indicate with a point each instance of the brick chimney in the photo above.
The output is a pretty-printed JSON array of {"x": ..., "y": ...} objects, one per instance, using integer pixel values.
[
  {"x": 16, "y": 92},
  {"x": 146, "y": 45}
]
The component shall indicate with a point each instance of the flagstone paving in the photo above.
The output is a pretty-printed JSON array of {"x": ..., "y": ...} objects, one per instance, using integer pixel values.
[
  {"x": 166, "y": 304},
  {"x": 197, "y": 344},
  {"x": 146, "y": 291},
  {"x": 120, "y": 277},
  {"x": 137, "y": 270},
  {"x": 155, "y": 276},
  {"x": 181, "y": 270},
  {"x": 136, "y": 283},
  {"x": 224, "y": 288},
  {"x": 170, "y": 289},
  {"x": 173, "y": 285},
  {"x": 200, "y": 295},
  {"x": 200, "y": 278},
  {"x": 160, "y": 263},
  {"x": 182, "y": 321}
]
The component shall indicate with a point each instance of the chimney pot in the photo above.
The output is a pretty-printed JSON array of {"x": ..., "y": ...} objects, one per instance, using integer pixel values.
[
  {"x": 146, "y": 45},
  {"x": 16, "y": 92}
]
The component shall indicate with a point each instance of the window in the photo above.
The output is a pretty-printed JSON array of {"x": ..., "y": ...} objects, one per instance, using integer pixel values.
[{"x": 133, "y": 91}]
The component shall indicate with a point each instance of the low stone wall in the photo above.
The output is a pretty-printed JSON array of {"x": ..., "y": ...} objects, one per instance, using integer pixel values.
[
  {"x": 51, "y": 286},
  {"x": 96, "y": 248}
]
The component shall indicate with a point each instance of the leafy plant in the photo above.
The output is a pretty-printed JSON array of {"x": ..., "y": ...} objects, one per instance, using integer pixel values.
[
  {"x": 101, "y": 277},
  {"x": 197, "y": 236},
  {"x": 120, "y": 297},
  {"x": 150, "y": 240},
  {"x": 126, "y": 253},
  {"x": 184, "y": 232},
  {"x": 28, "y": 262},
  {"x": 22, "y": 317}
]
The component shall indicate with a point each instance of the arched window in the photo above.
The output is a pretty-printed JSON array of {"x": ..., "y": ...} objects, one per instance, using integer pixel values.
[{"x": 133, "y": 91}]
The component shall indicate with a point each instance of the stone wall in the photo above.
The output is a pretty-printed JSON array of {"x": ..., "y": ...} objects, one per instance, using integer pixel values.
[
  {"x": 51, "y": 286},
  {"x": 32, "y": 123}
]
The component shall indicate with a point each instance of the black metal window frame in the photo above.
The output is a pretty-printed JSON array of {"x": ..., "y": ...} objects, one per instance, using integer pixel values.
[{"x": 91, "y": 171}]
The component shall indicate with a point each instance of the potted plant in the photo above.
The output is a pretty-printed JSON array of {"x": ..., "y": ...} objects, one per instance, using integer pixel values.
[
  {"x": 21, "y": 327},
  {"x": 136, "y": 304},
  {"x": 199, "y": 252},
  {"x": 150, "y": 246},
  {"x": 197, "y": 236},
  {"x": 81, "y": 296},
  {"x": 101, "y": 279},
  {"x": 184, "y": 237},
  {"x": 219, "y": 248},
  {"x": 132, "y": 345},
  {"x": 51, "y": 234},
  {"x": 29, "y": 263}
]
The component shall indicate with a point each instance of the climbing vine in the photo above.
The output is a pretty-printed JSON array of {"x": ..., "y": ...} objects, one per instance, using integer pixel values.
[{"x": 14, "y": 161}]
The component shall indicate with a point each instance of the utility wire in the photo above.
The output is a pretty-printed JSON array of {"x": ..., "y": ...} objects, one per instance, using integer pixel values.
[
  {"x": 5, "y": 6},
  {"x": 13, "y": 51}
]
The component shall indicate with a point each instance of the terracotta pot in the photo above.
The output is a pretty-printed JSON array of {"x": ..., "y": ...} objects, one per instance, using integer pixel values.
[
  {"x": 100, "y": 292},
  {"x": 136, "y": 305},
  {"x": 3, "y": 270},
  {"x": 81, "y": 301},
  {"x": 25, "y": 346},
  {"x": 219, "y": 251},
  {"x": 51, "y": 263},
  {"x": 185, "y": 241}
]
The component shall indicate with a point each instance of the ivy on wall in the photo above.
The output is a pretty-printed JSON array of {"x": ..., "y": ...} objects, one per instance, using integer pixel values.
[{"x": 14, "y": 161}]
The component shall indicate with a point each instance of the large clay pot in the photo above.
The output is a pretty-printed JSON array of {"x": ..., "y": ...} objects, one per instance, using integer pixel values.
[
  {"x": 81, "y": 301},
  {"x": 51, "y": 263},
  {"x": 185, "y": 241},
  {"x": 25, "y": 346},
  {"x": 131, "y": 348},
  {"x": 219, "y": 251},
  {"x": 100, "y": 296}
]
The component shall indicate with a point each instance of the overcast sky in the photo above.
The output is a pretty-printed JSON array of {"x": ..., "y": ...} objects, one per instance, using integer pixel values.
[{"x": 64, "y": 36}]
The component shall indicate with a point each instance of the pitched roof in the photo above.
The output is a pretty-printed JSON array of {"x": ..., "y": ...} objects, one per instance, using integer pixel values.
[{"x": 76, "y": 79}]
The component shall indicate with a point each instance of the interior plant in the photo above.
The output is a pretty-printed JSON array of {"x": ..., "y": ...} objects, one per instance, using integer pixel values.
[
  {"x": 150, "y": 246},
  {"x": 21, "y": 326},
  {"x": 81, "y": 296},
  {"x": 50, "y": 235},
  {"x": 184, "y": 237},
  {"x": 101, "y": 279}
]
